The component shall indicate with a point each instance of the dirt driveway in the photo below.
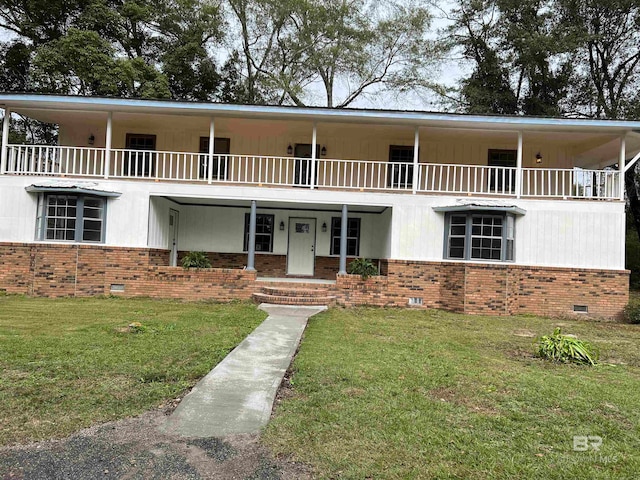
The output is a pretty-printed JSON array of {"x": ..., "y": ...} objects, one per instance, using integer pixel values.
[{"x": 134, "y": 449}]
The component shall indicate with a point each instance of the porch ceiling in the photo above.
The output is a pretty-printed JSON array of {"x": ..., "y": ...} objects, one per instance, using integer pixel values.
[{"x": 267, "y": 205}]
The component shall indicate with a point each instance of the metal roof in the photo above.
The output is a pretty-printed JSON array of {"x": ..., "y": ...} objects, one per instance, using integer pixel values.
[{"x": 403, "y": 117}]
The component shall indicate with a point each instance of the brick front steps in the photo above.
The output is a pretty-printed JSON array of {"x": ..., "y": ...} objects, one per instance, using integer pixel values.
[{"x": 286, "y": 294}]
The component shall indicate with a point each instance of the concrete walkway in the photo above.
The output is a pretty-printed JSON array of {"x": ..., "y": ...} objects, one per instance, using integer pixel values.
[{"x": 238, "y": 394}]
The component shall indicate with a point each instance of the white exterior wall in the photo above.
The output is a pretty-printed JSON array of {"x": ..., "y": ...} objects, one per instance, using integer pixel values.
[
  {"x": 581, "y": 234},
  {"x": 221, "y": 229}
]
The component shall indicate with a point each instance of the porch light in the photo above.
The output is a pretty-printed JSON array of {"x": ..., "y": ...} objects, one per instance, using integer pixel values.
[
  {"x": 281, "y": 225},
  {"x": 289, "y": 150},
  {"x": 324, "y": 227},
  {"x": 538, "y": 157},
  {"x": 92, "y": 139},
  {"x": 323, "y": 151}
]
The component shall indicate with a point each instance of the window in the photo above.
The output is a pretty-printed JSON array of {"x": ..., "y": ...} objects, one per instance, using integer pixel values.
[
  {"x": 480, "y": 236},
  {"x": 70, "y": 217},
  {"x": 401, "y": 172},
  {"x": 264, "y": 232},
  {"x": 221, "y": 146},
  {"x": 502, "y": 179},
  {"x": 353, "y": 236}
]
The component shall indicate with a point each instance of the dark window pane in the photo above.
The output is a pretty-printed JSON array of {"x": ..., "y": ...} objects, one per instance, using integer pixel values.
[
  {"x": 475, "y": 253},
  {"x": 456, "y": 252},
  {"x": 91, "y": 236},
  {"x": 456, "y": 241},
  {"x": 93, "y": 225},
  {"x": 458, "y": 230}
]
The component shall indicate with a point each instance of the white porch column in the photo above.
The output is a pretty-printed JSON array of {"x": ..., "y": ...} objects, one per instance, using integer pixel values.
[
  {"x": 519, "y": 167},
  {"x": 251, "y": 257},
  {"x": 621, "y": 164},
  {"x": 416, "y": 159},
  {"x": 5, "y": 140},
  {"x": 212, "y": 145},
  {"x": 343, "y": 240},
  {"x": 314, "y": 139},
  {"x": 107, "y": 145}
]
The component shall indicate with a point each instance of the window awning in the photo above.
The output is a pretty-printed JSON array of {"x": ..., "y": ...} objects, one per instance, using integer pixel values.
[
  {"x": 479, "y": 205},
  {"x": 59, "y": 186}
]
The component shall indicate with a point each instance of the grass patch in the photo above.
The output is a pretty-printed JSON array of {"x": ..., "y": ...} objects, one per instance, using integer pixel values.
[
  {"x": 427, "y": 394},
  {"x": 68, "y": 363}
]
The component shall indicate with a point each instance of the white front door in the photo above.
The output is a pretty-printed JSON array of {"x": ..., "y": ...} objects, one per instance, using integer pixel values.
[
  {"x": 302, "y": 246},
  {"x": 173, "y": 237}
]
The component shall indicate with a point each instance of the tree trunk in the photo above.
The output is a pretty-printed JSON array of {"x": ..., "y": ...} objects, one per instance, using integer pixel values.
[{"x": 632, "y": 196}]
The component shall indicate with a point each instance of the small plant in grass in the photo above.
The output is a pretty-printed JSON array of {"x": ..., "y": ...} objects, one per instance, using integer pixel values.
[
  {"x": 363, "y": 267},
  {"x": 136, "y": 327},
  {"x": 566, "y": 349},
  {"x": 196, "y": 260},
  {"x": 632, "y": 312}
]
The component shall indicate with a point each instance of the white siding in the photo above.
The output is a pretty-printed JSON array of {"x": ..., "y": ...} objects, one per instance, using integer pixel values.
[
  {"x": 585, "y": 234},
  {"x": 221, "y": 229}
]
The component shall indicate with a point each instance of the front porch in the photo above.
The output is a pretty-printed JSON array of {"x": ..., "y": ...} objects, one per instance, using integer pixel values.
[{"x": 273, "y": 239}]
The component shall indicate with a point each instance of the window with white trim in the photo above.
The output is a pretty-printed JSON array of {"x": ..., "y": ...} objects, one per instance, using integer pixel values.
[
  {"x": 480, "y": 236},
  {"x": 78, "y": 218}
]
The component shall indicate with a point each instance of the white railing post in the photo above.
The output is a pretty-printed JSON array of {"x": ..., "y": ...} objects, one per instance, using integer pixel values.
[
  {"x": 416, "y": 159},
  {"x": 212, "y": 144},
  {"x": 5, "y": 140},
  {"x": 621, "y": 162},
  {"x": 314, "y": 139},
  {"x": 519, "y": 167},
  {"x": 107, "y": 145}
]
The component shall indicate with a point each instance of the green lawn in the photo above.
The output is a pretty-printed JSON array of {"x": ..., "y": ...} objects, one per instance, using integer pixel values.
[
  {"x": 66, "y": 364},
  {"x": 381, "y": 393}
]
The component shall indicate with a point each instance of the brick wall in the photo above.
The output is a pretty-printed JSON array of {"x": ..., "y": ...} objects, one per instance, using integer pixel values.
[
  {"x": 490, "y": 289},
  {"x": 271, "y": 265},
  {"x": 58, "y": 270}
]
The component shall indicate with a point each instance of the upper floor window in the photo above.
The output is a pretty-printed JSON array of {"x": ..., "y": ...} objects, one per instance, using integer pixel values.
[
  {"x": 353, "y": 236},
  {"x": 78, "y": 218},
  {"x": 480, "y": 236},
  {"x": 264, "y": 232}
]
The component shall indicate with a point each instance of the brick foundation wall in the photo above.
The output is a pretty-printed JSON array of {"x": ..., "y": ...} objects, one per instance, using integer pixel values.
[
  {"x": 271, "y": 265},
  {"x": 490, "y": 289},
  {"x": 60, "y": 270}
]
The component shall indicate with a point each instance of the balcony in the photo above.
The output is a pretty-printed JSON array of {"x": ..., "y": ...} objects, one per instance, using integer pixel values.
[{"x": 284, "y": 172}]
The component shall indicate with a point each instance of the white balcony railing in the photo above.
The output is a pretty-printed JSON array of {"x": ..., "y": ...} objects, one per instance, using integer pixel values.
[{"x": 430, "y": 178}]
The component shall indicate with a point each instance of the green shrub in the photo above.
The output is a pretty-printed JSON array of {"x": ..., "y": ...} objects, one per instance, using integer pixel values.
[
  {"x": 196, "y": 260},
  {"x": 566, "y": 349},
  {"x": 363, "y": 267},
  {"x": 632, "y": 312}
]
